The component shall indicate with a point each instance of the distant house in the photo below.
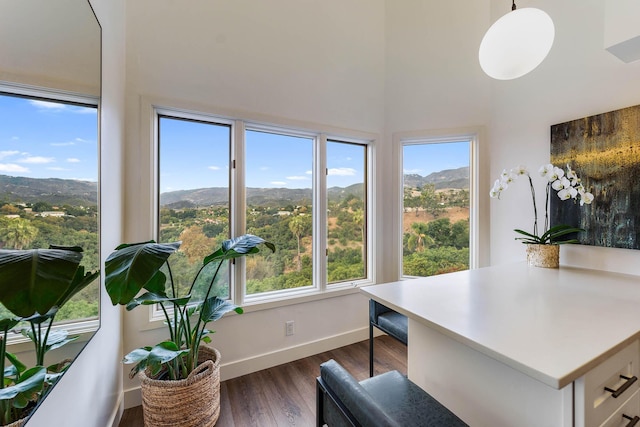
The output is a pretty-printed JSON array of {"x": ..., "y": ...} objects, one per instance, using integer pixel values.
[{"x": 52, "y": 213}]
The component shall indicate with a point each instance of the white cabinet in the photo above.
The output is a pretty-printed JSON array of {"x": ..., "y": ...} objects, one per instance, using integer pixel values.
[
  {"x": 605, "y": 389},
  {"x": 628, "y": 415},
  {"x": 512, "y": 345}
]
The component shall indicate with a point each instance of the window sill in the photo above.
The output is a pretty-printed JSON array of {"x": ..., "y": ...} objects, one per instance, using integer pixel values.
[{"x": 156, "y": 318}]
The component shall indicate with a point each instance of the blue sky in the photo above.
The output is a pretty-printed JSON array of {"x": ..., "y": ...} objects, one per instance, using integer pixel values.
[
  {"x": 423, "y": 159},
  {"x": 41, "y": 139},
  {"x": 277, "y": 161}
]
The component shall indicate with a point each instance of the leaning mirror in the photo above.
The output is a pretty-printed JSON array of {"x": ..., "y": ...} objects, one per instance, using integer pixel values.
[{"x": 49, "y": 194}]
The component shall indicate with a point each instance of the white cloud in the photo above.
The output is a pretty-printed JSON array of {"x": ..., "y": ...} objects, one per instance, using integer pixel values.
[
  {"x": 47, "y": 105},
  {"x": 73, "y": 160},
  {"x": 62, "y": 144},
  {"x": 341, "y": 172},
  {"x": 309, "y": 172},
  {"x": 37, "y": 160},
  {"x": 414, "y": 171},
  {"x": 278, "y": 183},
  {"x": 264, "y": 168},
  {"x": 298, "y": 178},
  {"x": 12, "y": 168},
  {"x": 214, "y": 168},
  {"x": 4, "y": 154},
  {"x": 83, "y": 110}
]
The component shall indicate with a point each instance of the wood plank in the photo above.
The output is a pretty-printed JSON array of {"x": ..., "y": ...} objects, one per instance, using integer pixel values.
[{"x": 285, "y": 395}]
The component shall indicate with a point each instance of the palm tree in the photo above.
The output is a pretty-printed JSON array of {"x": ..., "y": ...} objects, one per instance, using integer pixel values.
[
  {"x": 17, "y": 233},
  {"x": 297, "y": 226},
  {"x": 421, "y": 231},
  {"x": 358, "y": 219}
]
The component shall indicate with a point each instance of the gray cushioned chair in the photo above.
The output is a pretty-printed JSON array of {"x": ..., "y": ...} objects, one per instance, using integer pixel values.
[
  {"x": 388, "y": 321},
  {"x": 386, "y": 400}
]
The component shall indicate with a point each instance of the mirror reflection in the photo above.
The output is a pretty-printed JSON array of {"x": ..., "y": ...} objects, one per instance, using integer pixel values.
[{"x": 49, "y": 97}]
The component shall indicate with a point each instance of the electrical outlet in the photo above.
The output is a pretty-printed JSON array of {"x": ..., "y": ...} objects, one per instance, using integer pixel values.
[{"x": 288, "y": 327}]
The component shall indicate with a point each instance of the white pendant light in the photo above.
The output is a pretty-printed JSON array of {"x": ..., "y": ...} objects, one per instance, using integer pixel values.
[{"x": 516, "y": 43}]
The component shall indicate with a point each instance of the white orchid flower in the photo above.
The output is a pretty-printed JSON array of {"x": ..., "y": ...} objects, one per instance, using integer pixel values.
[
  {"x": 498, "y": 187},
  {"x": 555, "y": 174},
  {"x": 520, "y": 170},
  {"x": 546, "y": 170},
  {"x": 566, "y": 184},
  {"x": 586, "y": 198},
  {"x": 564, "y": 194}
]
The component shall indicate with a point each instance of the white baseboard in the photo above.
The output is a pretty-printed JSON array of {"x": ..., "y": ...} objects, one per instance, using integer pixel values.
[
  {"x": 116, "y": 415},
  {"x": 238, "y": 368}
]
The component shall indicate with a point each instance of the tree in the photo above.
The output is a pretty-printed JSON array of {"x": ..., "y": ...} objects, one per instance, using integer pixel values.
[
  {"x": 421, "y": 231},
  {"x": 8, "y": 209},
  {"x": 297, "y": 227},
  {"x": 41, "y": 207},
  {"x": 195, "y": 244},
  {"x": 17, "y": 233}
]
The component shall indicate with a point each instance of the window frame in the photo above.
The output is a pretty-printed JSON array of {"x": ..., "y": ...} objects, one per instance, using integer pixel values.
[
  {"x": 237, "y": 217},
  {"x": 470, "y": 135},
  {"x": 82, "y": 327}
]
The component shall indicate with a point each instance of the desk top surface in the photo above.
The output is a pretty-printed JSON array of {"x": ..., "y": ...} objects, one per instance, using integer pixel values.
[{"x": 551, "y": 324}]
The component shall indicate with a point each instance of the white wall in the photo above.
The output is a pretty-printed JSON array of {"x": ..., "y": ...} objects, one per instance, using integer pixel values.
[
  {"x": 89, "y": 394},
  {"x": 380, "y": 67},
  {"x": 305, "y": 63},
  {"x": 579, "y": 78},
  {"x": 434, "y": 86}
]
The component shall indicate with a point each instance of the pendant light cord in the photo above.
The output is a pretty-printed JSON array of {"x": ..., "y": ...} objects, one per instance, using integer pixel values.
[{"x": 513, "y": 6}]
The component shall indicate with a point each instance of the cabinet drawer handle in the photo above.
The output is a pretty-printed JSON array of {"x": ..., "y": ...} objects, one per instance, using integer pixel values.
[
  {"x": 633, "y": 421},
  {"x": 623, "y": 387}
]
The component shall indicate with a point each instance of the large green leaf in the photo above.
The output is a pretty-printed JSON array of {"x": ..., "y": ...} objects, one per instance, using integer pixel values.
[
  {"x": 150, "y": 298},
  {"x": 80, "y": 281},
  {"x": 31, "y": 382},
  {"x": 237, "y": 247},
  {"x": 162, "y": 353},
  {"x": 131, "y": 266},
  {"x": 214, "y": 308},
  {"x": 34, "y": 280}
]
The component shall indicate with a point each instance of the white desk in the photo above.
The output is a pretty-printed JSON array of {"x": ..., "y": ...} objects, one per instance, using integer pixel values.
[{"x": 504, "y": 345}]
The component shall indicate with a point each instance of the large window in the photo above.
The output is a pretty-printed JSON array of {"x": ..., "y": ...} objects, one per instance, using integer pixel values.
[
  {"x": 219, "y": 178},
  {"x": 436, "y": 206},
  {"x": 49, "y": 181},
  {"x": 194, "y": 195},
  {"x": 346, "y": 212}
]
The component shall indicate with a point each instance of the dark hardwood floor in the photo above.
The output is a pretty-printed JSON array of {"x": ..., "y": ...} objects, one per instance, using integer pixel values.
[{"x": 285, "y": 395}]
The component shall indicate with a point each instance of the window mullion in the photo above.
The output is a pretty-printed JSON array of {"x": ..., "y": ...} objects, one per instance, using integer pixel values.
[
  {"x": 320, "y": 212},
  {"x": 238, "y": 215}
]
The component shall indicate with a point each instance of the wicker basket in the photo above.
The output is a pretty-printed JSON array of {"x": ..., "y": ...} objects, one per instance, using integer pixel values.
[
  {"x": 547, "y": 256},
  {"x": 18, "y": 423},
  {"x": 192, "y": 402}
]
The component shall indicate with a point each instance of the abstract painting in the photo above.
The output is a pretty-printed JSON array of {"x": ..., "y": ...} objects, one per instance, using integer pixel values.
[{"x": 604, "y": 150}]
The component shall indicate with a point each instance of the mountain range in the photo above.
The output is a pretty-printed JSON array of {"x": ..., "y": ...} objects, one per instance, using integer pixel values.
[
  {"x": 84, "y": 193},
  {"x": 55, "y": 191}
]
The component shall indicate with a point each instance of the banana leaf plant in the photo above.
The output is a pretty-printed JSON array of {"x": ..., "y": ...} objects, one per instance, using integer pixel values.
[
  {"x": 36, "y": 283},
  {"x": 137, "y": 267},
  {"x": 19, "y": 386},
  {"x": 32, "y": 282}
]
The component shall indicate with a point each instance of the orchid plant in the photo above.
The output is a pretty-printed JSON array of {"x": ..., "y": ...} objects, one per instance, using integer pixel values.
[{"x": 566, "y": 184}]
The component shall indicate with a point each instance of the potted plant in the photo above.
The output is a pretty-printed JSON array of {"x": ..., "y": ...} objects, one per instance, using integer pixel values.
[
  {"x": 180, "y": 378},
  {"x": 543, "y": 249},
  {"x": 35, "y": 281}
]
